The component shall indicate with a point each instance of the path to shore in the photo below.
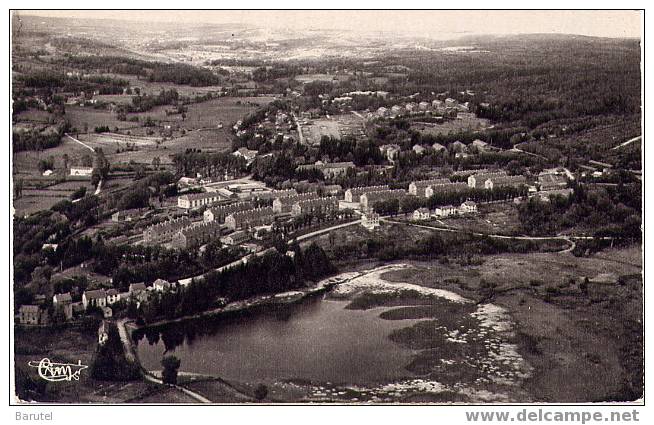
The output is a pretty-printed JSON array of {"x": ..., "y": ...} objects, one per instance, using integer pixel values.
[{"x": 130, "y": 355}]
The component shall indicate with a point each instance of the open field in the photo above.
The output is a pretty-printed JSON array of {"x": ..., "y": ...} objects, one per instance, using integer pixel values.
[
  {"x": 81, "y": 115},
  {"x": 207, "y": 140},
  {"x": 118, "y": 99},
  {"x": 26, "y": 163},
  {"x": 154, "y": 88},
  {"x": 224, "y": 110},
  {"x": 499, "y": 218},
  {"x": 464, "y": 122},
  {"x": 309, "y": 78},
  {"x": 34, "y": 116},
  {"x": 321, "y": 127}
]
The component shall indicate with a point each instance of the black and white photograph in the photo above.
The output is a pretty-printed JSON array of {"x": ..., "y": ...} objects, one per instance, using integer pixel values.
[{"x": 326, "y": 207}]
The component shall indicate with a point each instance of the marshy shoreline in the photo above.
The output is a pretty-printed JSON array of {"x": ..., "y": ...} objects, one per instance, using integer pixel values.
[{"x": 537, "y": 315}]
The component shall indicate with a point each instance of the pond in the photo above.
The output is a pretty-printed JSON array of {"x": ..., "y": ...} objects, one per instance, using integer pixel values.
[
  {"x": 315, "y": 339},
  {"x": 368, "y": 339}
]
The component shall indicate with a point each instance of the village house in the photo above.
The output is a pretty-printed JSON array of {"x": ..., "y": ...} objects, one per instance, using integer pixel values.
[
  {"x": 468, "y": 207},
  {"x": 437, "y": 147},
  {"x": 329, "y": 170},
  {"x": 107, "y": 312},
  {"x": 247, "y": 154},
  {"x": 397, "y": 109},
  {"x": 161, "y": 285},
  {"x": 458, "y": 147},
  {"x": 64, "y": 303},
  {"x": 285, "y": 204},
  {"x": 113, "y": 296},
  {"x": 250, "y": 218},
  {"x": 127, "y": 215},
  {"x": 29, "y": 314},
  {"x": 163, "y": 232},
  {"x": 197, "y": 235},
  {"x": 419, "y": 149},
  {"x": 478, "y": 181},
  {"x": 445, "y": 188},
  {"x": 417, "y": 188},
  {"x": 354, "y": 194},
  {"x": 505, "y": 181},
  {"x": 187, "y": 181},
  {"x": 95, "y": 298},
  {"x": 332, "y": 189},
  {"x": 336, "y": 169},
  {"x": 313, "y": 206},
  {"x": 103, "y": 332},
  {"x": 137, "y": 292},
  {"x": 392, "y": 152},
  {"x": 421, "y": 214},
  {"x": 274, "y": 194},
  {"x": 370, "y": 220},
  {"x": 545, "y": 195},
  {"x": 235, "y": 238},
  {"x": 368, "y": 199},
  {"x": 195, "y": 200},
  {"x": 81, "y": 171},
  {"x": 52, "y": 246},
  {"x": 136, "y": 288},
  {"x": 218, "y": 213},
  {"x": 480, "y": 145},
  {"x": 551, "y": 181},
  {"x": 445, "y": 211}
]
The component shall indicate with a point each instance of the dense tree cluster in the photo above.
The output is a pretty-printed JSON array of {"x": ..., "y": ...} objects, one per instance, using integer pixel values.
[
  {"x": 153, "y": 71},
  {"x": 144, "y": 103},
  {"x": 409, "y": 204},
  {"x": 56, "y": 81},
  {"x": 208, "y": 164},
  {"x": 272, "y": 272},
  {"x": 37, "y": 139},
  {"x": 601, "y": 211}
]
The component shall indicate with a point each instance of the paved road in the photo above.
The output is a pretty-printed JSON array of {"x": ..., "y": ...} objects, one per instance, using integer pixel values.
[
  {"x": 299, "y": 128},
  {"x": 628, "y": 142},
  {"x": 244, "y": 259},
  {"x": 127, "y": 344},
  {"x": 567, "y": 238},
  {"x": 128, "y": 348},
  {"x": 514, "y": 149},
  {"x": 325, "y": 230}
]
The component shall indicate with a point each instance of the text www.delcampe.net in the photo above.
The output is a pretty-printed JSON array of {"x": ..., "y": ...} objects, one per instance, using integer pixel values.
[{"x": 540, "y": 415}]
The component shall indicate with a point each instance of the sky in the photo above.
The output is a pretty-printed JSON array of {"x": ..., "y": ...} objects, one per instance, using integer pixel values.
[{"x": 433, "y": 24}]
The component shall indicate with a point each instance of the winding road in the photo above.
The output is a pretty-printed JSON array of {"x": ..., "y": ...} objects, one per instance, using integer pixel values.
[{"x": 568, "y": 238}]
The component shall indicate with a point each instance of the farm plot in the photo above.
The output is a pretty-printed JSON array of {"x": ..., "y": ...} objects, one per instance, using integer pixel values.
[
  {"x": 464, "y": 122},
  {"x": 84, "y": 116},
  {"x": 322, "y": 127},
  {"x": 224, "y": 110},
  {"x": 153, "y": 88},
  {"x": 207, "y": 140}
]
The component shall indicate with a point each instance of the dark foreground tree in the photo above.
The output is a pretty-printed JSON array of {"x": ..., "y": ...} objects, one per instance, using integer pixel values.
[{"x": 170, "y": 368}]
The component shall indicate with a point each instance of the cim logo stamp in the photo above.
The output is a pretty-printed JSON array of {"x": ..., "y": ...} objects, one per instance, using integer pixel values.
[{"x": 55, "y": 372}]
